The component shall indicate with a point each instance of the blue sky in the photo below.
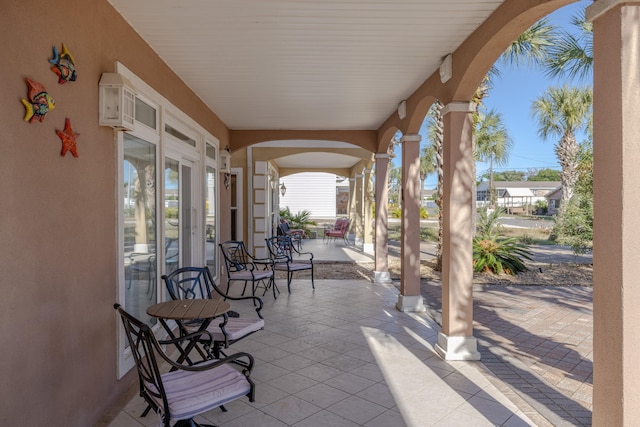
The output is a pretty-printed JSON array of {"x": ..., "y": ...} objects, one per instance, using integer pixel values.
[{"x": 511, "y": 96}]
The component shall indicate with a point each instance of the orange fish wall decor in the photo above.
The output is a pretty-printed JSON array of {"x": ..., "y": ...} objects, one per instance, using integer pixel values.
[{"x": 39, "y": 102}]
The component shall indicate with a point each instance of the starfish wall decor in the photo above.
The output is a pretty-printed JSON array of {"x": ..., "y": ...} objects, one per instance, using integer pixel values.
[{"x": 68, "y": 137}]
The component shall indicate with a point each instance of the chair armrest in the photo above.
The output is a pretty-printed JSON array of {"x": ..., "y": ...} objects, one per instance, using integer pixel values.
[
  {"x": 257, "y": 301},
  {"x": 187, "y": 337},
  {"x": 206, "y": 365}
]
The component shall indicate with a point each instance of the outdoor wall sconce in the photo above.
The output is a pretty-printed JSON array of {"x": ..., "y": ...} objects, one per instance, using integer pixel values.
[
  {"x": 283, "y": 190},
  {"x": 225, "y": 161},
  {"x": 117, "y": 102}
]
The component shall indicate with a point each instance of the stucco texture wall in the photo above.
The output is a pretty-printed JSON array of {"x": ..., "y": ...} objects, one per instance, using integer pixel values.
[{"x": 58, "y": 216}]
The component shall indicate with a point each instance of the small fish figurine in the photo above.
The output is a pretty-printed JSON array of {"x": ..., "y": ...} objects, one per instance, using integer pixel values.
[
  {"x": 63, "y": 65},
  {"x": 39, "y": 102}
]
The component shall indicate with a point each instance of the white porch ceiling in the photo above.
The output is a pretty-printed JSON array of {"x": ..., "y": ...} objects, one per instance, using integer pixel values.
[{"x": 304, "y": 64}]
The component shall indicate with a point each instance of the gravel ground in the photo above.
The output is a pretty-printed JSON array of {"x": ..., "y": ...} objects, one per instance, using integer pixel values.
[{"x": 539, "y": 274}]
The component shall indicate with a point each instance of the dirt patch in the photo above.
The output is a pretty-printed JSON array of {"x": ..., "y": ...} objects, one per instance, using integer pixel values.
[{"x": 555, "y": 274}]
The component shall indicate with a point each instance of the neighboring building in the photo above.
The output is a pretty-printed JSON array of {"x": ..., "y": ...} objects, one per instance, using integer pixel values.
[
  {"x": 553, "y": 201},
  {"x": 342, "y": 196},
  {"x": 311, "y": 191},
  {"x": 516, "y": 196}
]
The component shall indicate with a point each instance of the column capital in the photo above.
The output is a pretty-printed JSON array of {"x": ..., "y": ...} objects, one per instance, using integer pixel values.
[
  {"x": 411, "y": 138},
  {"x": 600, "y": 7},
  {"x": 458, "y": 107},
  {"x": 382, "y": 156}
]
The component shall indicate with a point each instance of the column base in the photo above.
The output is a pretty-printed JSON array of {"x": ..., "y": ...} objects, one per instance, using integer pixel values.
[
  {"x": 368, "y": 248},
  {"x": 410, "y": 303},
  {"x": 381, "y": 277},
  {"x": 457, "y": 348}
]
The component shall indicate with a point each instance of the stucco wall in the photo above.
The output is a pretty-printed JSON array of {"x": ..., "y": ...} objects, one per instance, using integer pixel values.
[{"x": 58, "y": 219}]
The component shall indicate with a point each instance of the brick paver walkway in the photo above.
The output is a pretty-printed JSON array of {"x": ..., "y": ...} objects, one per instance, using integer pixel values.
[{"x": 539, "y": 342}]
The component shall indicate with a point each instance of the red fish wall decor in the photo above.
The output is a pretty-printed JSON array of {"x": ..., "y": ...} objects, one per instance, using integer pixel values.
[{"x": 39, "y": 102}]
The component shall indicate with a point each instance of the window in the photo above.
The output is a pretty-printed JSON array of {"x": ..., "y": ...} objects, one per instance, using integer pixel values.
[
  {"x": 139, "y": 219},
  {"x": 211, "y": 191},
  {"x": 167, "y": 201}
]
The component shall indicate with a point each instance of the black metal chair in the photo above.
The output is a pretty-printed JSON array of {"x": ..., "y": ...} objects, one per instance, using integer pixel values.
[
  {"x": 197, "y": 282},
  {"x": 296, "y": 234},
  {"x": 187, "y": 390},
  {"x": 243, "y": 267},
  {"x": 287, "y": 258}
]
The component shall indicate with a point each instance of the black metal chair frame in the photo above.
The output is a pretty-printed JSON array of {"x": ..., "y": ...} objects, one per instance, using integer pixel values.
[
  {"x": 146, "y": 349},
  {"x": 284, "y": 229},
  {"x": 197, "y": 282},
  {"x": 287, "y": 258},
  {"x": 241, "y": 266}
]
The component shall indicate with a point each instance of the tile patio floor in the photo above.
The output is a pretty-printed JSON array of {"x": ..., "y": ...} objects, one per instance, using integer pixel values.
[{"x": 344, "y": 356}]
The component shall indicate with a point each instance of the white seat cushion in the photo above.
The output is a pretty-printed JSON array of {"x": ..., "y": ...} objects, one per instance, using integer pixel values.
[
  {"x": 236, "y": 328},
  {"x": 193, "y": 393},
  {"x": 293, "y": 266},
  {"x": 246, "y": 275}
]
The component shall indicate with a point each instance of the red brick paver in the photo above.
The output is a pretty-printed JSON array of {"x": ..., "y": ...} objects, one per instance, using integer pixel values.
[{"x": 539, "y": 341}]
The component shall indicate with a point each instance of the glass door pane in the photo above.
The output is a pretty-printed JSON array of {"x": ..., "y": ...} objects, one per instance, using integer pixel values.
[
  {"x": 139, "y": 219},
  {"x": 210, "y": 221},
  {"x": 171, "y": 214},
  {"x": 188, "y": 216}
]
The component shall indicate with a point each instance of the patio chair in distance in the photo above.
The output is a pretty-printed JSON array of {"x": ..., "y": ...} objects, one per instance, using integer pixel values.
[
  {"x": 243, "y": 267},
  {"x": 296, "y": 234},
  {"x": 197, "y": 282},
  {"x": 287, "y": 258},
  {"x": 340, "y": 230},
  {"x": 187, "y": 390}
]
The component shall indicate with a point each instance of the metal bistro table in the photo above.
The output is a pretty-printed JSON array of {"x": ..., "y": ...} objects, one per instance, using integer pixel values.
[{"x": 183, "y": 311}]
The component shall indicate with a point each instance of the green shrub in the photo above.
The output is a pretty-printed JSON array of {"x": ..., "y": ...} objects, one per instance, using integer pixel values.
[
  {"x": 299, "y": 220},
  {"x": 495, "y": 255},
  {"x": 574, "y": 225}
]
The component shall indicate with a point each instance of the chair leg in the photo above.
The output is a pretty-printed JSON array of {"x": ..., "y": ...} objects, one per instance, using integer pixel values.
[
  {"x": 289, "y": 277},
  {"x": 275, "y": 287},
  {"x": 313, "y": 285}
]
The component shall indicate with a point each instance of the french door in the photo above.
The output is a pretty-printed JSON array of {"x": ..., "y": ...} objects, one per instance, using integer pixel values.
[{"x": 181, "y": 221}]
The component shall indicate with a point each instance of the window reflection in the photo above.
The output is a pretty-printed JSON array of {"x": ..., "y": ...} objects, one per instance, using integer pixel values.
[
  {"x": 139, "y": 226},
  {"x": 210, "y": 220}
]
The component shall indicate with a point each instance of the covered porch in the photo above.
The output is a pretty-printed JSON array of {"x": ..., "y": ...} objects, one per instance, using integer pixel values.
[{"x": 340, "y": 356}]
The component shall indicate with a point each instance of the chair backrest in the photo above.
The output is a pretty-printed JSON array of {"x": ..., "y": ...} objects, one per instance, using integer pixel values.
[
  {"x": 236, "y": 257},
  {"x": 280, "y": 247},
  {"x": 284, "y": 227},
  {"x": 190, "y": 282},
  {"x": 144, "y": 346},
  {"x": 341, "y": 227}
]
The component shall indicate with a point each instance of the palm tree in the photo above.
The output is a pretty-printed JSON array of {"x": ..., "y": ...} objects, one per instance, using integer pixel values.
[
  {"x": 572, "y": 55},
  {"x": 427, "y": 165},
  {"x": 561, "y": 112},
  {"x": 395, "y": 182},
  {"x": 492, "y": 144}
]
